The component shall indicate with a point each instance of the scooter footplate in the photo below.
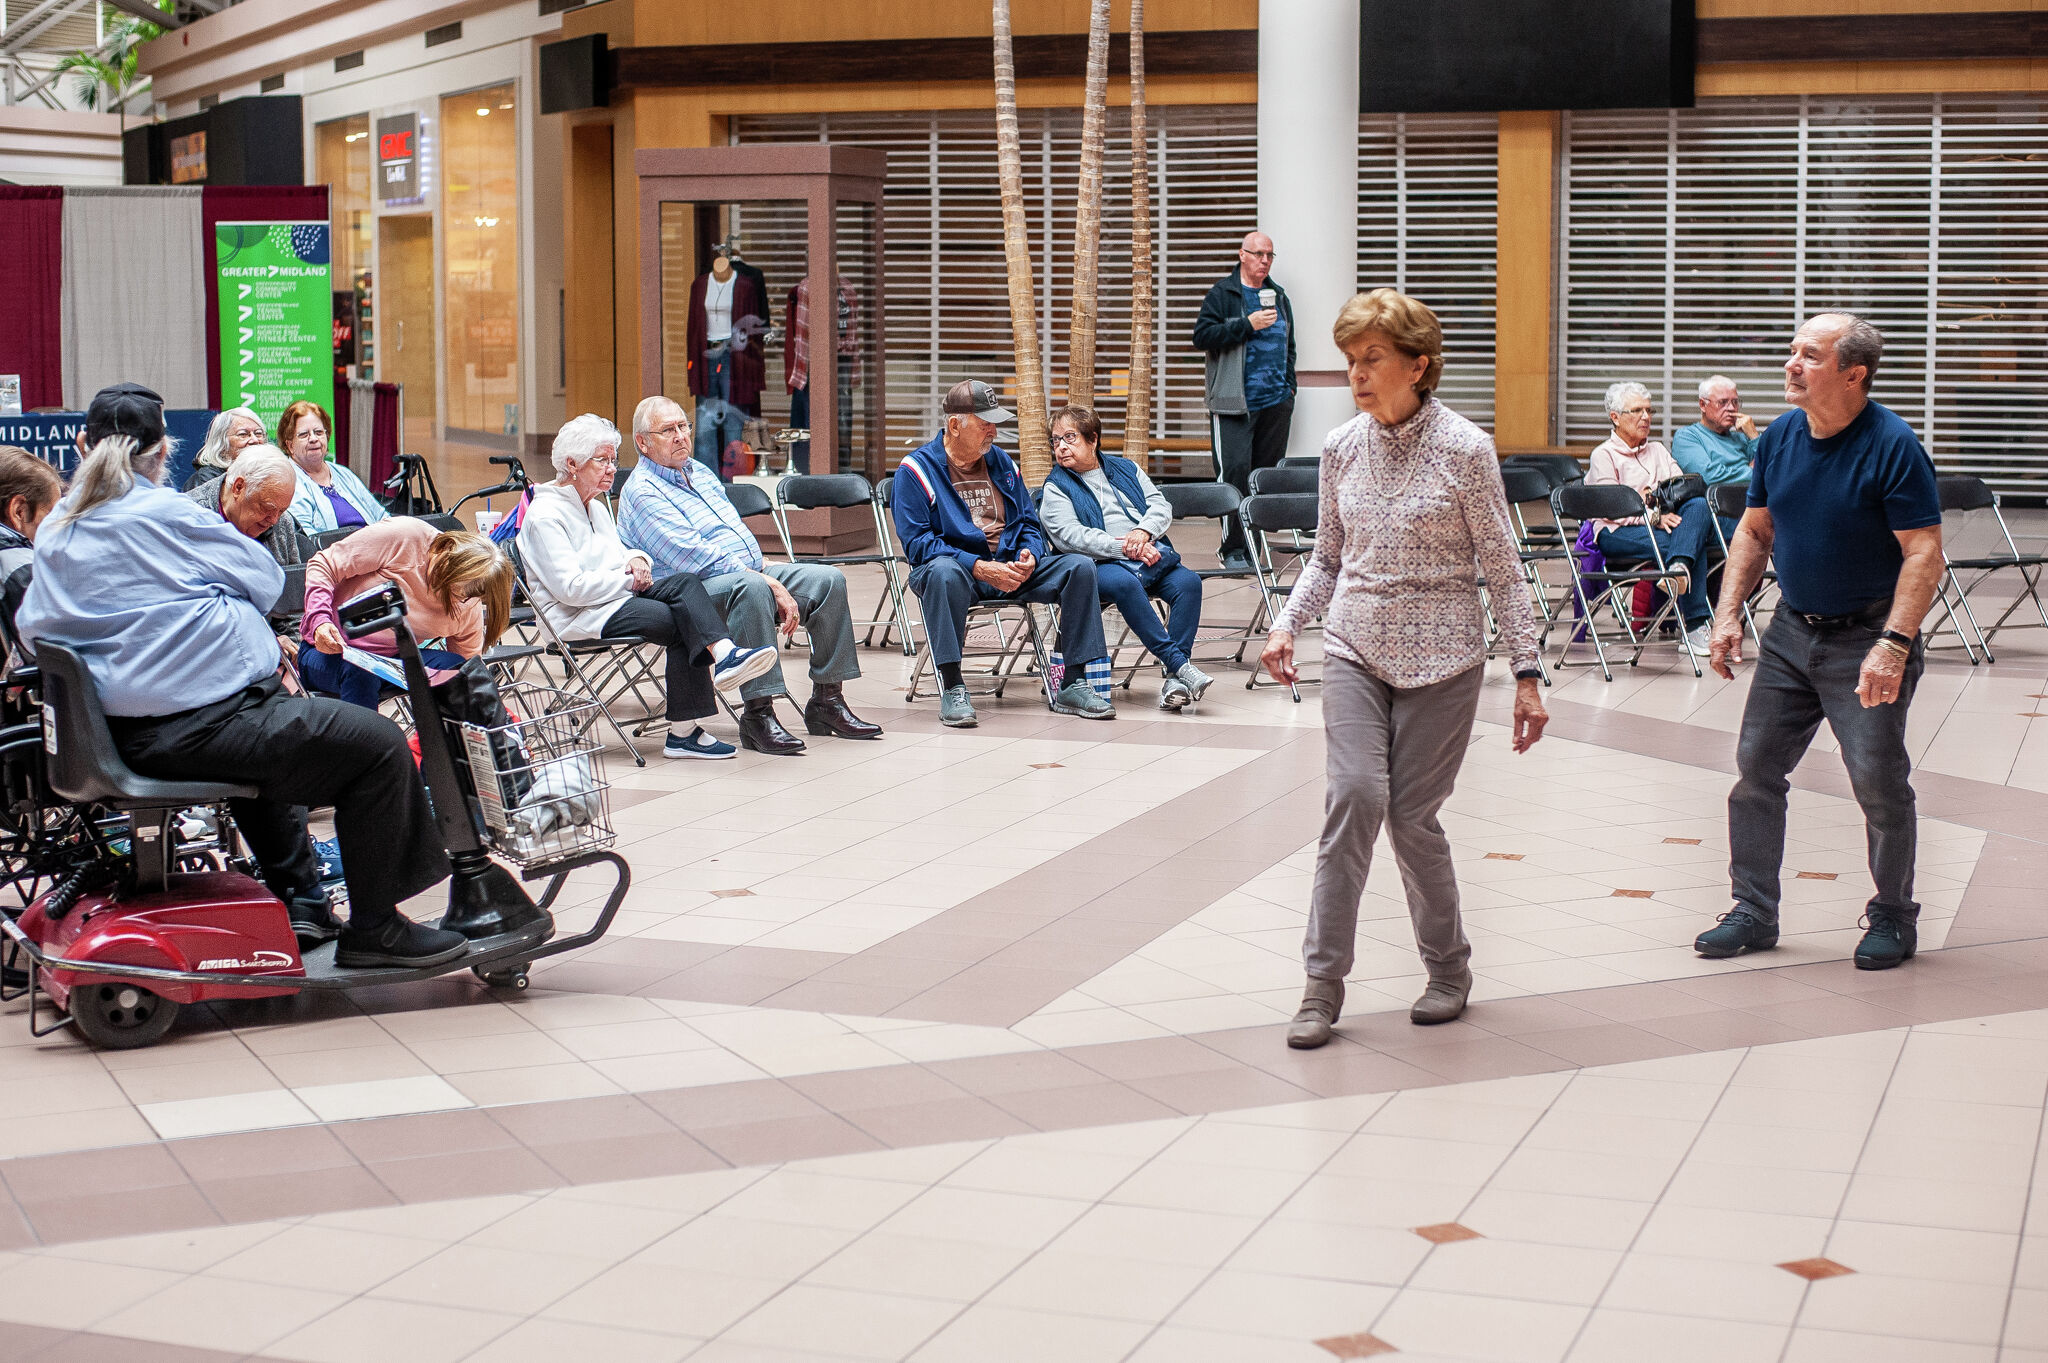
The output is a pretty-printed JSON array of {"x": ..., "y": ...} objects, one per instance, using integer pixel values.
[{"x": 321, "y": 971}]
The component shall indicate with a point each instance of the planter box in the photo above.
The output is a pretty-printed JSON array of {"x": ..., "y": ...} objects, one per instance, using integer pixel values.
[{"x": 821, "y": 530}]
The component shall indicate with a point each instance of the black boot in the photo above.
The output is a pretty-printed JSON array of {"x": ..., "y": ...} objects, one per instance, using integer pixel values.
[
  {"x": 313, "y": 920},
  {"x": 826, "y": 713},
  {"x": 760, "y": 731}
]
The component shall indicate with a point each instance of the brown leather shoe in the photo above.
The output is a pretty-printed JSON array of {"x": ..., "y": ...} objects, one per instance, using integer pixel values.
[
  {"x": 826, "y": 713},
  {"x": 1313, "y": 1026},
  {"x": 1442, "y": 1002},
  {"x": 760, "y": 731}
]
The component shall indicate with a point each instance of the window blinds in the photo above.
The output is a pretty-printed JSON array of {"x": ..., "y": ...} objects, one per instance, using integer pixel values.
[{"x": 1696, "y": 240}]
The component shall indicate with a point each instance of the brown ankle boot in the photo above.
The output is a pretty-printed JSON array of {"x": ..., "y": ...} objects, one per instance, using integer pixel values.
[{"x": 1313, "y": 1026}]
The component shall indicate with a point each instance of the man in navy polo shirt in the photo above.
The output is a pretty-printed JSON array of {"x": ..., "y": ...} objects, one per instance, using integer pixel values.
[{"x": 1844, "y": 496}]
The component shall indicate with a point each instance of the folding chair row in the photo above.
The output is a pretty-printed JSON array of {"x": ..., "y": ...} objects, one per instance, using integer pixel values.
[
  {"x": 1576, "y": 503},
  {"x": 1964, "y": 493},
  {"x": 816, "y": 491}
]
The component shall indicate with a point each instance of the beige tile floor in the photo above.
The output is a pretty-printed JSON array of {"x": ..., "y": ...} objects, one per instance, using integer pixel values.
[{"x": 1630, "y": 1211}]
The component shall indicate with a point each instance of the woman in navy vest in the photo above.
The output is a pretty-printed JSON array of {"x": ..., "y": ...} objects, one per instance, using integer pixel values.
[{"x": 1105, "y": 507}]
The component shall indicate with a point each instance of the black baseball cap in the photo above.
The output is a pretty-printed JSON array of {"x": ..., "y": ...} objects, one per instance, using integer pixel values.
[
  {"x": 125, "y": 409},
  {"x": 972, "y": 397}
]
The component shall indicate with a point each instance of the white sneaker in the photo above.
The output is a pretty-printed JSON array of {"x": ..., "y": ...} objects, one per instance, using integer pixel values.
[
  {"x": 1696, "y": 640},
  {"x": 1174, "y": 695}
]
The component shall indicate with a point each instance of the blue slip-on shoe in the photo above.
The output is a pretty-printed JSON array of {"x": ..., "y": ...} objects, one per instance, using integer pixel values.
[
  {"x": 1739, "y": 930},
  {"x": 697, "y": 743},
  {"x": 741, "y": 666}
]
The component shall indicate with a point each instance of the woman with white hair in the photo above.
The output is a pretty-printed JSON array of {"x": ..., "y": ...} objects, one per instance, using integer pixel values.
[
  {"x": 1629, "y": 456},
  {"x": 588, "y": 585},
  {"x": 232, "y": 431}
]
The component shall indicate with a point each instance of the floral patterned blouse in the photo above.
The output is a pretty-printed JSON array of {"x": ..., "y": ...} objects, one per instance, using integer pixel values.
[{"x": 1409, "y": 517}]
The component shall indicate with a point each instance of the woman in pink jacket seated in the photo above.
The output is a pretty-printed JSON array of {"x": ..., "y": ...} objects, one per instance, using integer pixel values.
[
  {"x": 1631, "y": 458},
  {"x": 458, "y": 591}
]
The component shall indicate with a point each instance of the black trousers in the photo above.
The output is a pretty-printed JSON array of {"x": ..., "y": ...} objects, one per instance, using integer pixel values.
[
  {"x": 678, "y": 614},
  {"x": 1256, "y": 441},
  {"x": 305, "y": 751}
]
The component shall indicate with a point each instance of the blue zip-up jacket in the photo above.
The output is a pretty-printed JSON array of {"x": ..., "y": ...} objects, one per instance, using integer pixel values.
[{"x": 931, "y": 519}]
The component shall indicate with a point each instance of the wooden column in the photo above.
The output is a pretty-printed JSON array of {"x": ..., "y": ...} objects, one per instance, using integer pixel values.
[{"x": 1525, "y": 280}]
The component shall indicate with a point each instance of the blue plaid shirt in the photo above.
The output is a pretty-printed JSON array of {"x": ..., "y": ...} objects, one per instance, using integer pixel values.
[{"x": 683, "y": 521}]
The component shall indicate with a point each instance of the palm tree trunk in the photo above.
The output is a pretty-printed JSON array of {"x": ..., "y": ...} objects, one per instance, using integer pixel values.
[
  {"x": 1034, "y": 450},
  {"x": 1138, "y": 407},
  {"x": 1088, "y": 212}
]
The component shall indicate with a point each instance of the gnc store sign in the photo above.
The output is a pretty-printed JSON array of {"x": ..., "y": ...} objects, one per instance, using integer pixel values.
[{"x": 398, "y": 159}]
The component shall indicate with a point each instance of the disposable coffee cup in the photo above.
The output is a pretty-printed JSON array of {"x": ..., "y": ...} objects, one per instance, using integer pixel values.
[
  {"x": 487, "y": 521},
  {"x": 1268, "y": 297}
]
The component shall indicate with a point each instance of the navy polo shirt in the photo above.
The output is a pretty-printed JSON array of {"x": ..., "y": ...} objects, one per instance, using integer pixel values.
[{"x": 1835, "y": 504}]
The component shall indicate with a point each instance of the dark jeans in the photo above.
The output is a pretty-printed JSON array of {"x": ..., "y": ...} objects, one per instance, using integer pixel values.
[
  {"x": 677, "y": 613},
  {"x": 332, "y": 675},
  {"x": 1254, "y": 441},
  {"x": 1124, "y": 586},
  {"x": 301, "y": 752},
  {"x": 945, "y": 590},
  {"x": 1630, "y": 544},
  {"x": 1805, "y": 674}
]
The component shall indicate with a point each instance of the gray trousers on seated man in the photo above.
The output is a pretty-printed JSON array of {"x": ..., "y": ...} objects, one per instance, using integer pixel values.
[
  {"x": 945, "y": 592},
  {"x": 748, "y": 606}
]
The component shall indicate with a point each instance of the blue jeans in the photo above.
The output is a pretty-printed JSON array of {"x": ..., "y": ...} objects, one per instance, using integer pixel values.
[
  {"x": 1805, "y": 674},
  {"x": 718, "y": 421},
  {"x": 1121, "y": 585},
  {"x": 1630, "y": 544},
  {"x": 945, "y": 591},
  {"x": 329, "y": 674}
]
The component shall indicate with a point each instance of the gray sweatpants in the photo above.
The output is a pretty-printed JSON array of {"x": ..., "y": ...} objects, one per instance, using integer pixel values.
[
  {"x": 1393, "y": 755},
  {"x": 748, "y": 606}
]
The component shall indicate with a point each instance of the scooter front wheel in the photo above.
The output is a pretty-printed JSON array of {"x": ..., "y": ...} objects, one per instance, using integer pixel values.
[
  {"x": 506, "y": 977},
  {"x": 117, "y": 1016}
]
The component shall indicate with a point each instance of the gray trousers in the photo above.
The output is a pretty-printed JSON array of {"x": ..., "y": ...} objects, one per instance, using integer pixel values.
[
  {"x": 1393, "y": 756},
  {"x": 749, "y": 610},
  {"x": 1804, "y": 675}
]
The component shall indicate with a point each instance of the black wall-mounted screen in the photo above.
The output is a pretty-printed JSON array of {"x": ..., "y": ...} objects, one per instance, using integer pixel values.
[{"x": 1479, "y": 56}]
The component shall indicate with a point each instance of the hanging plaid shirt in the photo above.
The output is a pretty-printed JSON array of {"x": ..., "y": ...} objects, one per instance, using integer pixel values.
[
  {"x": 683, "y": 521},
  {"x": 796, "y": 340}
]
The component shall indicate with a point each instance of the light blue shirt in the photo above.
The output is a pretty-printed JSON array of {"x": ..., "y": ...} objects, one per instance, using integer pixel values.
[
  {"x": 164, "y": 600},
  {"x": 315, "y": 513},
  {"x": 684, "y": 522},
  {"x": 1698, "y": 448}
]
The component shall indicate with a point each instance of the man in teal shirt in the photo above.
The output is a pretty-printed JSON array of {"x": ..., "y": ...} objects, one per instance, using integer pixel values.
[{"x": 1721, "y": 445}]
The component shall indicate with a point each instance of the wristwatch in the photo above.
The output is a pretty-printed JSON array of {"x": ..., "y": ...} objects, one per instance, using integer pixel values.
[
  {"x": 1905, "y": 641},
  {"x": 1528, "y": 674}
]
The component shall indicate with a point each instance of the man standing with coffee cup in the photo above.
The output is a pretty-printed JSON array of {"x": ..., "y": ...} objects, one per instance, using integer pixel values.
[{"x": 1247, "y": 328}]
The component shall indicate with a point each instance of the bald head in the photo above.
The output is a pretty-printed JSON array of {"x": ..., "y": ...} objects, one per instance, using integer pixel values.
[{"x": 1255, "y": 259}]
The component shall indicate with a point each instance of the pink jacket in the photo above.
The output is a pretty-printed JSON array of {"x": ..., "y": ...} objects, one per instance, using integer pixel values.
[
  {"x": 1641, "y": 469},
  {"x": 393, "y": 550}
]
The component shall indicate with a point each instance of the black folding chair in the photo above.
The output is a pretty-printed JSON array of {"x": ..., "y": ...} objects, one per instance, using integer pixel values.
[
  {"x": 1217, "y": 502},
  {"x": 1285, "y": 477},
  {"x": 1615, "y": 587},
  {"x": 809, "y": 491},
  {"x": 1535, "y": 545},
  {"x": 1267, "y": 514},
  {"x": 1732, "y": 500},
  {"x": 1300, "y": 461},
  {"x": 322, "y": 538},
  {"x": 1557, "y": 469},
  {"x": 604, "y": 671},
  {"x": 1964, "y": 493}
]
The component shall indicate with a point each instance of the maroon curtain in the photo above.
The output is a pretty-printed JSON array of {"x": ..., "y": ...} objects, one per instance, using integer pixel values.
[
  {"x": 31, "y": 280},
  {"x": 384, "y": 436},
  {"x": 245, "y": 203}
]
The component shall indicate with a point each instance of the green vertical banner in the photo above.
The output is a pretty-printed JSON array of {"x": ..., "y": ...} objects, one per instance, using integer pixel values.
[{"x": 276, "y": 316}]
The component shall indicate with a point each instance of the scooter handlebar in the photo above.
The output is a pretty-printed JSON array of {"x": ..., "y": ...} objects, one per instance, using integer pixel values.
[{"x": 380, "y": 609}]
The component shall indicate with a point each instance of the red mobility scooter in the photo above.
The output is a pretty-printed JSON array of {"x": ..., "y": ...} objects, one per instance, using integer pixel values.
[{"x": 127, "y": 936}]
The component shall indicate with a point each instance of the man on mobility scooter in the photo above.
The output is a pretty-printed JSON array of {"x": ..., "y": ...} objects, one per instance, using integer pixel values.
[{"x": 165, "y": 603}]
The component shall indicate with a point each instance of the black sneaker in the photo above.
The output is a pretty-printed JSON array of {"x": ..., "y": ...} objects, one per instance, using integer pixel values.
[
  {"x": 1890, "y": 939},
  {"x": 313, "y": 920},
  {"x": 398, "y": 942},
  {"x": 1738, "y": 930}
]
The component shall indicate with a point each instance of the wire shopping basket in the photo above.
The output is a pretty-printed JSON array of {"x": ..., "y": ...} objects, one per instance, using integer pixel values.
[{"x": 540, "y": 779}]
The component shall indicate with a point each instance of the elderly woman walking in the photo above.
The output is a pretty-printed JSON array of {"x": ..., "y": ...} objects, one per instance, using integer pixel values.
[{"x": 1411, "y": 501}]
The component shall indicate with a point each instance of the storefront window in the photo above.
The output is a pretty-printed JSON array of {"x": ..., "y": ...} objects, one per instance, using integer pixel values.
[
  {"x": 342, "y": 158},
  {"x": 479, "y": 242}
]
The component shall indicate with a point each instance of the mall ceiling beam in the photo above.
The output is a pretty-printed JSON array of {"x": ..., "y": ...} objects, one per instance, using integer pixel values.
[
  {"x": 142, "y": 9},
  {"x": 1184, "y": 52},
  {"x": 1875, "y": 37},
  {"x": 24, "y": 27}
]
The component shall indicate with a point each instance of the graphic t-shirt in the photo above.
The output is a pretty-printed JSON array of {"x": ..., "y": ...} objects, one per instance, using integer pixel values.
[
  {"x": 984, "y": 503},
  {"x": 1265, "y": 358}
]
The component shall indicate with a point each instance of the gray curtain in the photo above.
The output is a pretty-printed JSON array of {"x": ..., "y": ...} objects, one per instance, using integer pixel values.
[{"x": 134, "y": 292}]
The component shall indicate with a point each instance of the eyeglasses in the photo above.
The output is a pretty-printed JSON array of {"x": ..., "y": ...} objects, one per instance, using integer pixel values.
[
  {"x": 247, "y": 437},
  {"x": 610, "y": 461},
  {"x": 670, "y": 431},
  {"x": 1256, "y": 255},
  {"x": 1636, "y": 411},
  {"x": 1069, "y": 438}
]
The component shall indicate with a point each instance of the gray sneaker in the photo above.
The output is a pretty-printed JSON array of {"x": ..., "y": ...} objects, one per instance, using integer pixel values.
[
  {"x": 1174, "y": 696},
  {"x": 956, "y": 709},
  {"x": 1195, "y": 680},
  {"x": 1077, "y": 697}
]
